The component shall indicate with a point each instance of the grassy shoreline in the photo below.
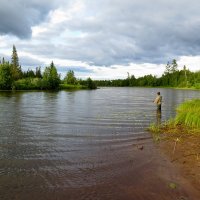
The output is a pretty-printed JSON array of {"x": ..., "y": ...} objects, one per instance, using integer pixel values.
[
  {"x": 83, "y": 87},
  {"x": 179, "y": 139},
  {"x": 67, "y": 87},
  {"x": 188, "y": 115}
]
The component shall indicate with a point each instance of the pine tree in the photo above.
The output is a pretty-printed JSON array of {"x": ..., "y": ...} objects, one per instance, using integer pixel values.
[
  {"x": 168, "y": 68},
  {"x": 3, "y": 60},
  {"x": 185, "y": 73},
  {"x": 38, "y": 73},
  {"x": 14, "y": 59},
  {"x": 51, "y": 78},
  {"x": 174, "y": 66},
  {"x": 16, "y": 68},
  {"x": 70, "y": 78}
]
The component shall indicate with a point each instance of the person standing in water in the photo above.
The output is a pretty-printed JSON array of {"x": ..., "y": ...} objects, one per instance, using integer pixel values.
[{"x": 158, "y": 101}]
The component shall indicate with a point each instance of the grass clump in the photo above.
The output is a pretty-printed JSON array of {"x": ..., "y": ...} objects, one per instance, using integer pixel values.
[
  {"x": 188, "y": 113},
  {"x": 156, "y": 131},
  {"x": 186, "y": 122},
  {"x": 71, "y": 87},
  {"x": 154, "y": 128}
]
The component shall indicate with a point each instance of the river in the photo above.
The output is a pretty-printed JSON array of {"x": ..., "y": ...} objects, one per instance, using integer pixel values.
[{"x": 82, "y": 144}]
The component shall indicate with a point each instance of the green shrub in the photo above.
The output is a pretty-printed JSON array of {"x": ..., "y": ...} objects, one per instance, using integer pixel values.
[
  {"x": 197, "y": 85},
  {"x": 28, "y": 84}
]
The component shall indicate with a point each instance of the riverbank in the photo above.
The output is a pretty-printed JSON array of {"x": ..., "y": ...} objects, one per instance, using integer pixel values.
[
  {"x": 179, "y": 140},
  {"x": 87, "y": 145},
  {"x": 182, "y": 147}
]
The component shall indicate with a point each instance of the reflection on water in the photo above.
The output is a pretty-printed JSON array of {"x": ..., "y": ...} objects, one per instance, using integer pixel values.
[
  {"x": 158, "y": 116},
  {"x": 69, "y": 141}
]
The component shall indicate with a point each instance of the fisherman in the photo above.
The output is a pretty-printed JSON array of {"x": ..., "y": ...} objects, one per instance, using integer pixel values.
[{"x": 158, "y": 101}]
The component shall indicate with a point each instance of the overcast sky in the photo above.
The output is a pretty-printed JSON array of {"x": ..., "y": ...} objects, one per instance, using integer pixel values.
[{"x": 103, "y": 39}]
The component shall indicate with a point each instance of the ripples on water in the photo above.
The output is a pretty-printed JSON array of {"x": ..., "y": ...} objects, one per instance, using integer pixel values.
[{"x": 73, "y": 139}]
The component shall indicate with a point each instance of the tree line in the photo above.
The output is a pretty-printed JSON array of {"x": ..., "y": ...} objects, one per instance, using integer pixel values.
[
  {"x": 172, "y": 77},
  {"x": 13, "y": 78}
]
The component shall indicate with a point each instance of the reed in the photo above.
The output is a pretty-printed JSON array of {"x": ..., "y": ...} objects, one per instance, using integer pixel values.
[
  {"x": 154, "y": 128},
  {"x": 188, "y": 113},
  {"x": 156, "y": 131}
]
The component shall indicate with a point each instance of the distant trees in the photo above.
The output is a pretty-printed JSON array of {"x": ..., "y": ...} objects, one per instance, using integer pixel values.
[
  {"x": 70, "y": 78},
  {"x": 90, "y": 83},
  {"x": 5, "y": 76},
  {"x": 38, "y": 73},
  {"x": 171, "y": 68},
  {"x": 51, "y": 78},
  {"x": 33, "y": 74},
  {"x": 172, "y": 77},
  {"x": 12, "y": 77},
  {"x": 14, "y": 58},
  {"x": 15, "y": 67}
]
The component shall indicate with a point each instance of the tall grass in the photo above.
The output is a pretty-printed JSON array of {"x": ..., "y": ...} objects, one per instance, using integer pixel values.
[
  {"x": 188, "y": 113},
  {"x": 71, "y": 87},
  {"x": 155, "y": 130}
]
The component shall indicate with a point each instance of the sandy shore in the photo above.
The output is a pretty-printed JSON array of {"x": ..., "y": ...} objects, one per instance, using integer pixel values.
[
  {"x": 148, "y": 174},
  {"x": 183, "y": 151}
]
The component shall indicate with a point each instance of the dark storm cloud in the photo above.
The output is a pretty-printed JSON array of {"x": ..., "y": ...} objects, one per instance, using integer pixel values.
[
  {"x": 114, "y": 32},
  {"x": 120, "y": 32},
  {"x": 17, "y": 16}
]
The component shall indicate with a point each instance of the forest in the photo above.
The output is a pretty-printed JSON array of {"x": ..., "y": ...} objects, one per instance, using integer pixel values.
[
  {"x": 172, "y": 77},
  {"x": 13, "y": 78}
]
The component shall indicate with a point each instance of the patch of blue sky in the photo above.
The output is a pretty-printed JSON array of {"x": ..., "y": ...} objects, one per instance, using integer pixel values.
[
  {"x": 72, "y": 34},
  {"x": 75, "y": 69}
]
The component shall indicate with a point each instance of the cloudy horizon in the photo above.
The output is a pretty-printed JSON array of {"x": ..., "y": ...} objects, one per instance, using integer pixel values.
[{"x": 102, "y": 39}]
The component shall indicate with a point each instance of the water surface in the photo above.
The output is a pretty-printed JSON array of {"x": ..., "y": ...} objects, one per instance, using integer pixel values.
[{"x": 78, "y": 145}]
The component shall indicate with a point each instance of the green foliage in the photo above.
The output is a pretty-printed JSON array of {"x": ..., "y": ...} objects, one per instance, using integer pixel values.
[
  {"x": 5, "y": 76},
  {"x": 29, "y": 74},
  {"x": 15, "y": 67},
  {"x": 167, "y": 68},
  {"x": 3, "y": 60},
  {"x": 51, "y": 78},
  {"x": 28, "y": 84},
  {"x": 170, "y": 123},
  {"x": 33, "y": 74},
  {"x": 171, "y": 68},
  {"x": 174, "y": 66},
  {"x": 188, "y": 113},
  {"x": 12, "y": 77},
  {"x": 71, "y": 87},
  {"x": 197, "y": 85},
  {"x": 156, "y": 131},
  {"x": 91, "y": 84},
  {"x": 38, "y": 73},
  {"x": 70, "y": 78},
  {"x": 154, "y": 128},
  {"x": 172, "y": 77},
  {"x": 14, "y": 58}
]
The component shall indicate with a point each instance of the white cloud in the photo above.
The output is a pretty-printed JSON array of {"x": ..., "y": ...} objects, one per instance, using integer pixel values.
[
  {"x": 107, "y": 39},
  {"x": 191, "y": 62}
]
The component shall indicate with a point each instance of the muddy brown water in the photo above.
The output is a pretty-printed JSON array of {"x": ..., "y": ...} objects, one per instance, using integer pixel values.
[{"x": 85, "y": 145}]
